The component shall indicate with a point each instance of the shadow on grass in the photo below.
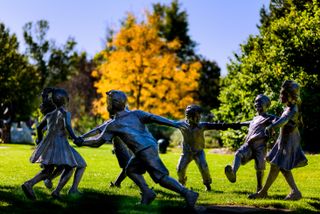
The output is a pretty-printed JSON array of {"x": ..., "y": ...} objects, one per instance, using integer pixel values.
[
  {"x": 240, "y": 209},
  {"x": 12, "y": 200},
  {"x": 243, "y": 192},
  {"x": 211, "y": 191},
  {"x": 270, "y": 197},
  {"x": 315, "y": 203},
  {"x": 216, "y": 191},
  {"x": 166, "y": 194}
]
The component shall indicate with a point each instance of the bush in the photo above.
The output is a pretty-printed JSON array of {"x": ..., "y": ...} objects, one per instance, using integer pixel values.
[
  {"x": 160, "y": 132},
  {"x": 86, "y": 123}
]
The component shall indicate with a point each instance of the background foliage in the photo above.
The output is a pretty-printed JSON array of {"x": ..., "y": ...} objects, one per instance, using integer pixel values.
[
  {"x": 144, "y": 66},
  {"x": 155, "y": 61},
  {"x": 288, "y": 47},
  {"x": 174, "y": 25},
  {"x": 18, "y": 79}
]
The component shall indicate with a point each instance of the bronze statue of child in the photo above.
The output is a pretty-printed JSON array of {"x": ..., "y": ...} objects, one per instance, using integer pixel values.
[
  {"x": 46, "y": 107},
  {"x": 123, "y": 154},
  {"x": 255, "y": 146},
  {"x": 54, "y": 150},
  {"x": 193, "y": 143},
  {"x": 286, "y": 153},
  {"x": 130, "y": 127}
]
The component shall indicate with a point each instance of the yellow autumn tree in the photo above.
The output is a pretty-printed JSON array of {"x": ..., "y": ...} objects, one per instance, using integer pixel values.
[{"x": 146, "y": 68}]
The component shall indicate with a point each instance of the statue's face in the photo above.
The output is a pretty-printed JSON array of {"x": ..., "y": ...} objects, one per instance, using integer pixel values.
[
  {"x": 284, "y": 97},
  {"x": 110, "y": 106},
  {"x": 193, "y": 120},
  {"x": 260, "y": 106}
]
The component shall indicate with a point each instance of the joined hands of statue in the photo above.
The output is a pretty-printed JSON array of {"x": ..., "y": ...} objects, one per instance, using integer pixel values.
[
  {"x": 78, "y": 141},
  {"x": 268, "y": 131}
]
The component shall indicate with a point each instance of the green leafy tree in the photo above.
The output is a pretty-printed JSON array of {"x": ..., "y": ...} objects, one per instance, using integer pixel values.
[
  {"x": 174, "y": 25},
  {"x": 288, "y": 47},
  {"x": 62, "y": 66},
  {"x": 80, "y": 88},
  {"x": 209, "y": 84},
  {"x": 278, "y": 9},
  {"x": 18, "y": 79},
  {"x": 53, "y": 63}
]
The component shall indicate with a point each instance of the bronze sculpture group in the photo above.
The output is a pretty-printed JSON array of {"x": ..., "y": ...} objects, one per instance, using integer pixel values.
[{"x": 137, "y": 150}]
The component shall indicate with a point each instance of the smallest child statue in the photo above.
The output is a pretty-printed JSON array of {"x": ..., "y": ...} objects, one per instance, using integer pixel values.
[{"x": 255, "y": 146}]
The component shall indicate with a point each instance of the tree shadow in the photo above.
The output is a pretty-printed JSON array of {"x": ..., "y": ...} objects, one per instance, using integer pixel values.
[
  {"x": 216, "y": 191},
  {"x": 315, "y": 203},
  {"x": 272, "y": 197},
  {"x": 242, "y": 192},
  {"x": 276, "y": 196},
  {"x": 168, "y": 208},
  {"x": 12, "y": 200},
  {"x": 167, "y": 194},
  {"x": 211, "y": 191},
  {"x": 239, "y": 209}
]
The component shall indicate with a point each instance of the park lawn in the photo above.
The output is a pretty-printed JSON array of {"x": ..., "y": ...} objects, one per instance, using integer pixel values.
[{"x": 103, "y": 168}]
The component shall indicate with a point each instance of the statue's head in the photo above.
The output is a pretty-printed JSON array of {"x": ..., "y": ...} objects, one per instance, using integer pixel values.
[
  {"x": 290, "y": 92},
  {"x": 60, "y": 97},
  {"x": 262, "y": 103},
  {"x": 193, "y": 113},
  {"x": 116, "y": 101},
  {"x": 47, "y": 105}
]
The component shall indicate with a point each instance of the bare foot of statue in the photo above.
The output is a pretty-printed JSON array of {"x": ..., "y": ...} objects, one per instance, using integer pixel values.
[
  {"x": 258, "y": 195},
  {"x": 191, "y": 198},
  {"x": 28, "y": 191},
  {"x": 147, "y": 197},
  {"x": 208, "y": 187},
  {"x": 230, "y": 174},
  {"x": 114, "y": 184},
  {"x": 48, "y": 183},
  {"x": 294, "y": 196}
]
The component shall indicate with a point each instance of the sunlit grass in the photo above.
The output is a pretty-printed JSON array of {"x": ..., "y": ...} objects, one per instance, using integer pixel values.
[{"x": 103, "y": 168}]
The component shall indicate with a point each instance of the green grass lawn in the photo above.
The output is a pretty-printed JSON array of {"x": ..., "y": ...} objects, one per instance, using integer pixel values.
[{"x": 103, "y": 168}]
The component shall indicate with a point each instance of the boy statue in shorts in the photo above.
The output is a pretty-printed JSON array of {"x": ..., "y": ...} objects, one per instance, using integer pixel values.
[
  {"x": 130, "y": 127},
  {"x": 193, "y": 143},
  {"x": 255, "y": 146}
]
